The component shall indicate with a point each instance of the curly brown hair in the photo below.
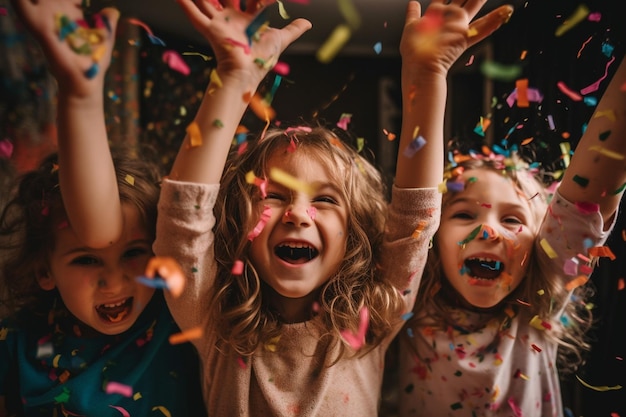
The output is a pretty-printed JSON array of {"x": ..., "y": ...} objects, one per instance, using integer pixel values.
[
  {"x": 240, "y": 302},
  {"x": 27, "y": 222}
]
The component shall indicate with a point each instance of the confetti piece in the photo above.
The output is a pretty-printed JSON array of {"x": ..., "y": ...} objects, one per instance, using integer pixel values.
[
  {"x": 578, "y": 16},
  {"x": 265, "y": 216},
  {"x": 344, "y": 120},
  {"x": 261, "y": 108},
  {"x": 175, "y": 62},
  {"x": 6, "y": 148},
  {"x": 414, "y": 146},
  {"x": 594, "y": 86},
  {"x": 500, "y": 72},
  {"x": 357, "y": 340},
  {"x": 521, "y": 86},
  {"x": 290, "y": 182},
  {"x": 195, "y": 136},
  {"x": 162, "y": 409},
  {"x": 602, "y": 251},
  {"x": 117, "y": 388},
  {"x": 156, "y": 282},
  {"x": 568, "y": 91},
  {"x": 185, "y": 336},
  {"x": 331, "y": 47},
  {"x": 548, "y": 249},
  {"x": 600, "y": 388},
  {"x": 237, "y": 268},
  {"x": 608, "y": 153},
  {"x": 576, "y": 282},
  {"x": 121, "y": 410},
  {"x": 155, "y": 40}
]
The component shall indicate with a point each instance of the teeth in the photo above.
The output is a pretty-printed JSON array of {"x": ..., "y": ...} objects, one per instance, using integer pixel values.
[
  {"x": 296, "y": 245},
  {"x": 114, "y": 305}
]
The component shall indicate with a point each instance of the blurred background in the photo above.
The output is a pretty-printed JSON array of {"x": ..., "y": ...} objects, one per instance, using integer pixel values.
[{"x": 150, "y": 102}]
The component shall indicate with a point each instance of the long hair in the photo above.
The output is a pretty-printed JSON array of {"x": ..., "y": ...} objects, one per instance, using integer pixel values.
[
  {"x": 28, "y": 222},
  {"x": 437, "y": 311},
  {"x": 240, "y": 303}
]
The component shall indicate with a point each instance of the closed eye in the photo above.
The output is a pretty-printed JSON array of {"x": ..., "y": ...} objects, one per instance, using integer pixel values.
[
  {"x": 513, "y": 220},
  {"x": 463, "y": 215},
  {"x": 136, "y": 252},
  {"x": 325, "y": 199}
]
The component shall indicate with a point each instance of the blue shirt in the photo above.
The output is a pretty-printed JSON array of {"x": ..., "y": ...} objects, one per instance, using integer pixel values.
[{"x": 53, "y": 365}]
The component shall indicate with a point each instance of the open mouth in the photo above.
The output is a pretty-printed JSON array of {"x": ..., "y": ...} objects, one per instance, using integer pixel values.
[
  {"x": 296, "y": 253},
  {"x": 114, "y": 313},
  {"x": 483, "y": 268}
]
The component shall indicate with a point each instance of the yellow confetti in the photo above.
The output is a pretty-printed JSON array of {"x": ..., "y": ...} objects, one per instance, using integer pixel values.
[
  {"x": 331, "y": 47},
  {"x": 55, "y": 361},
  {"x": 129, "y": 179},
  {"x": 548, "y": 249},
  {"x": 272, "y": 344},
  {"x": 215, "y": 78},
  {"x": 607, "y": 152},
  {"x": 609, "y": 114},
  {"x": 578, "y": 16},
  {"x": 290, "y": 182},
  {"x": 350, "y": 13},
  {"x": 162, "y": 409},
  {"x": 599, "y": 387},
  {"x": 282, "y": 10}
]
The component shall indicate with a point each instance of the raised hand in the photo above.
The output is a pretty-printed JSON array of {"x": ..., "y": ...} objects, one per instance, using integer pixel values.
[
  {"x": 437, "y": 39},
  {"x": 169, "y": 271},
  {"x": 241, "y": 48},
  {"x": 78, "y": 52}
]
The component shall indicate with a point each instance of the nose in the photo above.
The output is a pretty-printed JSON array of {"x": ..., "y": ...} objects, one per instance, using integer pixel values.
[
  {"x": 488, "y": 233},
  {"x": 112, "y": 280},
  {"x": 299, "y": 214}
]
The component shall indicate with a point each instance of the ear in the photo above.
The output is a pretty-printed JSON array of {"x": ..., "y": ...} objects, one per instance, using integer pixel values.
[{"x": 46, "y": 282}]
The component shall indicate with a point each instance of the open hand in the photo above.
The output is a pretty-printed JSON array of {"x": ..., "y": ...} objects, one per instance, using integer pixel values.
[{"x": 78, "y": 52}]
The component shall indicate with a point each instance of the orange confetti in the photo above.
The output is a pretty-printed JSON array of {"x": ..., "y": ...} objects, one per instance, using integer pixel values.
[
  {"x": 260, "y": 107},
  {"x": 576, "y": 282},
  {"x": 185, "y": 336},
  {"x": 602, "y": 251}
]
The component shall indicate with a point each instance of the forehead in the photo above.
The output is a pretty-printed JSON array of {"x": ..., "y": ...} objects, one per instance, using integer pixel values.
[
  {"x": 308, "y": 165},
  {"x": 490, "y": 186}
]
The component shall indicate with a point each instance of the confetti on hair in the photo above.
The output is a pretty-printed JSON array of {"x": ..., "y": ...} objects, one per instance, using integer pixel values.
[
  {"x": 576, "y": 282},
  {"x": 290, "y": 182},
  {"x": 118, "y": 388},
  {"x": 155, "y": 40},
  {"x": 548, "y": 249},
  {"x": 575, "y": 18},
  {"x": 122, "y": 410},
  {"x": 570, "y": 267},
  {"x": 601, "y": 388},
  {"x": 356, "y": 340},
  {"x": 344, "y": 120},
  {"x": 602, "y": 252},
  {"x": 186, "y": 335},
  {"x": 195, "y": 136},
  {"x": 175, "y": 62},
  {"x": 594, "y": 86},
  {"x": 261, "y": 183},
  {"x": 237, "y": 268},
  {"x": 333, "y": 44},
  {"x": 265, "y": 216},
  {"x": 272, "y": 344}
]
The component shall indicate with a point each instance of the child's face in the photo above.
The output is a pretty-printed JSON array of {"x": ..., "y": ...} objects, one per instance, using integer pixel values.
[
  {"x": 304, "y": 240},
  {"x": 98, "y": 285},
  {"x": 486, "y": 235}
]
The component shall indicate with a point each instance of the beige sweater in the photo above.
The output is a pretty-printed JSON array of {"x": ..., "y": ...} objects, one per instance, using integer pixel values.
[{"x": 294, "y": 376}]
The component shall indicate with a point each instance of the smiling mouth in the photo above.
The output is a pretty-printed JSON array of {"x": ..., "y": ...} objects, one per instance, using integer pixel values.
[
  {"x": 114, "y": 313},
  {"x": 483, "y": 268},
  {"x": 296, "y": 253}
]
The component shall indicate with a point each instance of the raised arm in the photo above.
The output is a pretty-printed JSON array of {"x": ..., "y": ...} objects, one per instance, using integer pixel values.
[
  {"x": 429, "y": 46},
  {"x": 597, "y": 171},
  {"x": 241, "y": 65},
  {"x": 78, "y": 57}
]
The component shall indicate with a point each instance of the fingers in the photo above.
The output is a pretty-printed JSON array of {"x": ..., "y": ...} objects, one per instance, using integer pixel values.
[
  {"x": 413, "y": 11},
  {"x": 294, "y": 30},
  {"x": 169, "y": 270},
  {"x": 486, "y": 25}
]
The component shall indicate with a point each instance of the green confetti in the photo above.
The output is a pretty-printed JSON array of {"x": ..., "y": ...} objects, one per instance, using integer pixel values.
[
  {"x": 582, "y": 181},
  {"x": 471, "y": 236}
]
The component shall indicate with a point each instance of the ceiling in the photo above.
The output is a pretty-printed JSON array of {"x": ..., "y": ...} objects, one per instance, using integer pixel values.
[{"x": 381, "y": 22}]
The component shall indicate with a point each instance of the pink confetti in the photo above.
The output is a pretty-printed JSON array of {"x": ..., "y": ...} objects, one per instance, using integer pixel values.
[
  {"x": 176, "y": 62},
  {"x": 357, "y": 340},
  {"x": 568, "y": 92},
  {"x": 117, "y": 388},
  {"x": 517, "y": 412},
  {"x": 6, "y": 148},
  {"x": 243, "y": 46},
  {"x": 281, "y": 68},
  {"x": 237, "y": 268},
  {"x": 311, "y": 211},
  {"x": 121, "y": 410},
  {"x": 594, "y": 17},
  {"x": 265, "y": 216},
  {"x": 532, "y": 94},
  {"x": 587, "y": 208},
  {"x": 594, "y": 86}
]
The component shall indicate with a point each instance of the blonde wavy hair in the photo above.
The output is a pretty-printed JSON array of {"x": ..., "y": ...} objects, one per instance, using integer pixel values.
[
  {"x": 240, "y": 303},
  {"x": 433, "y": 298}
]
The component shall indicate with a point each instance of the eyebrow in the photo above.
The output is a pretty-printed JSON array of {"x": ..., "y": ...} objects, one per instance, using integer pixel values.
[{"x": 88, "y": 249}]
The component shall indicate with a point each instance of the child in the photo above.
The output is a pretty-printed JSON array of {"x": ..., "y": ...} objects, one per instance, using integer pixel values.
[
  {"x": 499, "y": 294},
  {"x": 82, "y": 335},
  {"x": 281, "y": 251}
]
